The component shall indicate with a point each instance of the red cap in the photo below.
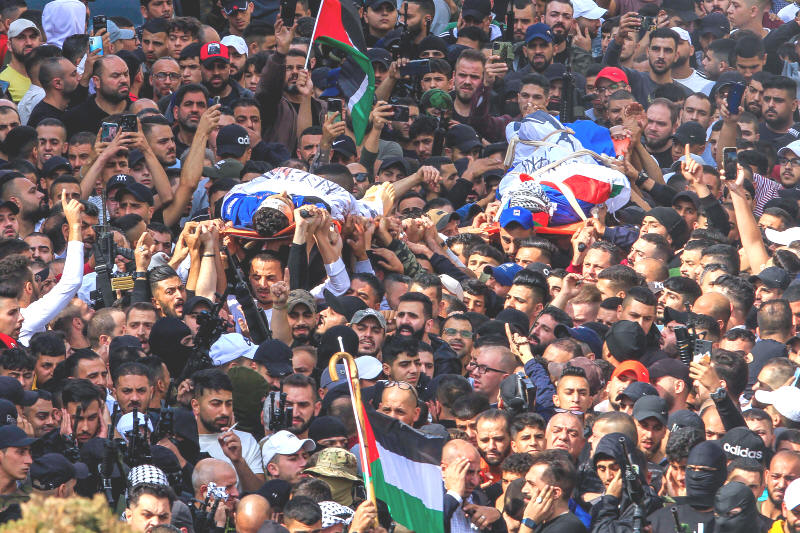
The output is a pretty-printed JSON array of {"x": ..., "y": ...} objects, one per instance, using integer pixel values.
[
  {"x": 613, "y": 74},
  {"x": 8, "y": 341},
  {"x": 214, "y": 50},
  {"x": 638, "y": 369}
]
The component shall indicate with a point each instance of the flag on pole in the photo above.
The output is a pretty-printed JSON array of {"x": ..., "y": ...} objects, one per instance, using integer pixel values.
[
  {"x": 404, "y": 466},
  {"x": 338, "y": 25}
]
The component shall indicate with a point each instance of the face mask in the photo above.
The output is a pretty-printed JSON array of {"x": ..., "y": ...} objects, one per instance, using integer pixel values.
[
  {"x": 341, "y": 490},
  {"x": 732, "y": 496}
]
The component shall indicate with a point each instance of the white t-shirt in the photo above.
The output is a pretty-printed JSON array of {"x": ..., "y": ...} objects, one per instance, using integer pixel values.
[
  {"x": 251, "y": 453},
  {"x": 695, "y": 82}
]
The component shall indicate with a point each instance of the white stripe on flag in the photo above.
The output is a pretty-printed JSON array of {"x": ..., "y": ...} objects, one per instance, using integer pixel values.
[
  {"x": 358, "y": 94},
  {"x": 421, "y": 480}
]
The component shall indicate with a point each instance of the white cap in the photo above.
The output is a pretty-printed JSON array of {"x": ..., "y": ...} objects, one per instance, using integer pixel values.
[
  {"x": 791, "y": 497},
  {"x": 125, "y": 423},
  {"x": 19, "y": 26},
  {"x": 229, "y": 347},
  {"x": 283, "y": 443},
  {"x": 793, "y": 146},
  {"x": 788, "y": 12},
  {"x": 587, "y": 9},
  {"x": 368, "y": 367},
  {"x": 683, "y": 34},
  {"x": 783, "y": 238},
  {"x": 236, "y": 42},
  {"x": 452, "y": 286},
  {"x": 785, "y": 400}
]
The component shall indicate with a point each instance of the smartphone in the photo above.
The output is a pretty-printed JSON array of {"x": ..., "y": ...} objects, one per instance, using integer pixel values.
[
  {"x": 99, "y": 23},
  {"x": 729, "y": 162},
  {"x": 504, "y": 50},
  {"x": 418, "y": 67},
  {"x": 400, "y": 113},
  {"x": 648, "y": 25},
  {"x": 128, "y": 123},
  {"x": 4, "y": 85},
  {"x": 288, "y": 10},
  {"x": 735, "y": 98},
  {"x": 108, "y": 131},
  {"x": 335, "y": 107},
  {"x": 215, "y": 100},
  {"x": 96, "y": 43}
]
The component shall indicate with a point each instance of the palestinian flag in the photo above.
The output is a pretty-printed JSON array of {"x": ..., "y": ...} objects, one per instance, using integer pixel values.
[
  {"x": 403, "y": 465},
  {"x": 339, "y": 26}
]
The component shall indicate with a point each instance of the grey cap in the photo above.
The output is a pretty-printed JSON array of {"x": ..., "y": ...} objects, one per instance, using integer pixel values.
[{"x": 359, "y": 316}]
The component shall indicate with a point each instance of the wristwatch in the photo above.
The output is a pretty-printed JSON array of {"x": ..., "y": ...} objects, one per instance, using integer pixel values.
[
  {"x": 527, "y": 522},
  {"x": 718, "y": 394},
  {"x": 641, "y": 178},
  {"x": 139, "y": 275}
]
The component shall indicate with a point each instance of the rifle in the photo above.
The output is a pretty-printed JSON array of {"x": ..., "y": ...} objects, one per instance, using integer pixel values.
[
  {"x": 402, "y": 47},
  {"x": 166, "y": 426},
  {"x": 107, "y": 470},
  {"x": 239, "y": 287},
  {"x": 104, "y": 251},
  {"x": 567, "y": 110},
  {"x": 509, "y": 33},
  {"x": 633, "y": 486},
  {"x": 138, "y": 449},
  {"x": 280, "y": 415},
  {"x": 73, "y": 452}
]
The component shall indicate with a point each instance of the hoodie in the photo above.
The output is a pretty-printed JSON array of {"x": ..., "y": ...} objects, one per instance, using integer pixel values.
[{"x": 62, "y": 18}]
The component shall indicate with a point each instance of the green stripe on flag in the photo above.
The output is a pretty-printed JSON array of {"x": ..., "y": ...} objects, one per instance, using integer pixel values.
[
  {"x": 360, "y": 103},
  {"x": 406, "y": 510}
]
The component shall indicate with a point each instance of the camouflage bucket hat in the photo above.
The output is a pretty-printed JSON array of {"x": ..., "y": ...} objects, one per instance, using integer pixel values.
[{"x": 335, "y": 462}]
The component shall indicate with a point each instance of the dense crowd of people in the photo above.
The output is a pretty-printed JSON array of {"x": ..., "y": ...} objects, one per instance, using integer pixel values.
[{"x": 196, "y": 215}]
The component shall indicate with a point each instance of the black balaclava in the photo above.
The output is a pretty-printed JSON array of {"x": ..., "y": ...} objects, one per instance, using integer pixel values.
[
  {"x": 701, "y": 485},
  {"x": 165, "y": 342},
  {"x": 729, "y": 497}
]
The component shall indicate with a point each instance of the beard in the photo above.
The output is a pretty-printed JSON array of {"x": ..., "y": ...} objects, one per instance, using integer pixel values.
[
  {"x": 657, "y": 145},
  {"x": 410, "y": 332},
  {"x": 213, "y": 425},
  {"x": 680, "y": 61},
  {"x": 114, "y": 97},
  {"x": 302, "y": 428},
  {"x": 41, "y": 211}
]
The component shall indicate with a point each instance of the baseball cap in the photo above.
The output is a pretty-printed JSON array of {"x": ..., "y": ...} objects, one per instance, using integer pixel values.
[
  {"x": 236, "y": 42},
  {"x": 626, "y": 340},
  {"x": 452, "y": 286},
  {"x": 716, "y": 24},
  {"x": 683, "y": 34},
  {"x": 516, "y": 319},
  {"x": 232, "y": 140},
  {"x": 683, "y": 8},
  {"x": 119, "y": 180},
  {"x": 638, "y": 389},
  {"x": 773, "y": 278},
  {"x": 687, "y": 195},
  {"x": 325, "y": 427},
  {"x": 589, "y": 336},
  {"x": 335, "y": 462},
  {"x": 14, "y": 437},
  {"x": 8, "y": 413},
  {"x": 793, "y": 146},
  {"x": 791, "y": 498},
  {"x": 650, "y": 407},
  {"x": 635, "y": 367},
  {"x": 684, "y": 418},
  {"x": 127, "y": 341},
  {"x": 669, "y": 367},
  {"x": 300, "y": 296},
  {"x": 18, "y": 137},
  {"x": 690, "y": 133},
  {"x": 462, "y": 137},
  {"x": 368, "y": 367},
  {"x": 394, "y": 162},
  {"x": 785, "y": 237},
  {"x": 504, "y": 274},
  {"x": 325, "y": 380},
  {"x": 477, "y": 9},
  {"x": 19, "y": 26},
  {"x": 115, "y": 33},
  {"x": 12, "y": 390},
  {"x": 363, "y": 314},
  {"x": 52, "y": 470},
  {"x": 612, "y": 74},
  {"x": 234, "y": 5},
  {"x": 125, "y": 423},
  {"x": 344, "y": 305},
  {"x": 214, "y": 51},
  {"x": 587, "y": 9},
  {"x": 785, "y": 400},
  {"x": 540, "y": 30},
  {"x": 54, "y": 163},
  {"x": 742, "y": 442},
  {"x": 276, "y": 356},
  {"x": 227, "y": 168},
  {"x": 441, "y": 218},
  {"x": 137, "y": 190},
  {"x": 284, "y": 443},
  {"x": 229, "y": 347},
  {"x": 520, "y": 215},
  {"x": 10, "y": 205},
  {"x": 344, "y": 145},
  {"x": 379, "y": 55}
]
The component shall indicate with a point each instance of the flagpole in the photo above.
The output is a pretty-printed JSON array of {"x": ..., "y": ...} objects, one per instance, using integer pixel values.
[
  {"x": 311, "y": 44},
  {"x": 351, "y": 373}
]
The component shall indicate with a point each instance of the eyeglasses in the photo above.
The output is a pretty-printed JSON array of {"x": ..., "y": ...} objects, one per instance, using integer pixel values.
[
  {"x": 402, "y": 385},
  {"x": 361, "y": 177},
  {"x": 783, "y": 161},
  {"x": 467, "y": 334},
  {"x": 161, "y": 76},
  {"x": 611, "y": 88},
  {"x": 472, "y": 366},
  {"x": 576, "y": 413}
]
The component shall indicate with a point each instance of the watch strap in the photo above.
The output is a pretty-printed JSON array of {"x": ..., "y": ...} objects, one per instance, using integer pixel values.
[{"x": 527, "y": 522}]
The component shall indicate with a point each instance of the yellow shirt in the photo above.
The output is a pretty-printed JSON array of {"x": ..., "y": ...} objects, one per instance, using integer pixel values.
[{"x": 18, "y": 84}]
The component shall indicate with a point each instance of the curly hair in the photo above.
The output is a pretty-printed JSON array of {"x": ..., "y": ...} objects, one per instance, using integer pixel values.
[{"x": 268, "y": 221}]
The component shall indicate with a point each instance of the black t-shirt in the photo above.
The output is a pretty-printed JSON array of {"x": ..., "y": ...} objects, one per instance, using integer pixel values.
[
  {"x": 565, "y": 523},
  {"x": 662, "y": 519},
  {"x": 664, "y": 157},
  {"x": 43, "y": 110}
]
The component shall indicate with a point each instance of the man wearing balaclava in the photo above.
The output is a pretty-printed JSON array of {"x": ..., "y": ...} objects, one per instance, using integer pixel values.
[
  {"x": 705, "y": 474},
  {"x": 614, "y": 509},
  {"x": 735, "y": 510},
  {"x": 171, "y": 340}
]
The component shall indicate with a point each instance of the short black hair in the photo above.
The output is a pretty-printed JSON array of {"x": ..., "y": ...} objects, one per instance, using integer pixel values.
[
  {"x": 210, "y": 379},
  {"x": 304, "y": 510},
  {"x": 397, "y": 345},
  {"x": 153, "y": 489},
  {"x": 427, "y": 305},
  {"x": 183, "y": 90},
  {"x": 81, "y": 391}
]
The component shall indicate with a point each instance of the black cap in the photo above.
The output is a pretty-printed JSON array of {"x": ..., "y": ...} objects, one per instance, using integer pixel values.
[
  {"x": 119, "y": 180},
  {"x": 232, "y": 140},
  {"x": 727, "y": 78},
  {"x": 477, "y": 9},
  {"x": 17, "y": 138},
  {"x": 14, "y": 437},
  {"x": 691, "y": 196},
  {"x": 637, "y": 390},
  {"x": 344, "y": 145},
  {"x": 516, "y": 319},
  {"x": 684, "y": 418},
  {"x": 325, "y": 427},
  {"x": 716, "y": 24},
  {"x": 554, "y": 71},
  {"x": 668, "y": 367},
  {"x": 743, "y": 442},
  {"x": 276, "y": 356},
  {"x": 138, "y": 191},
  {"x": 690, "y": 133},
  {"x": 11, "y": 206},
  {"x": 433, "y": 42},
  {"x": 773, "y": 278},
  {"x": 51, "y": 470},
  {"x": 194, "y": 301},
  {"x": 626, "y": 340},
  {"x": 8, "y": 413},
  {"x": 379, "y": 55},
  {"x": 276, "y": 492},
  {"x": 126, "y": 341},
  {"x": 395, "y": 162},
  {"x": 669, "y": 218},
  {"x": 134, "y": 157},
  {"x": 683, "y": 8},
  {"x": 12, "y": 390},
  {"x": 344, "y": 305},
  {"x": 651, "y": 407},
  {"x": 54, "y": 163},
  {"x": 463, "y": 137}
]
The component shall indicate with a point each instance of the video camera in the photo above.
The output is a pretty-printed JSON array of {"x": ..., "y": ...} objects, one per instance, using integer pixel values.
[
  {"x": 518, "y": 393},
  {"x": 276, "y": 415}
]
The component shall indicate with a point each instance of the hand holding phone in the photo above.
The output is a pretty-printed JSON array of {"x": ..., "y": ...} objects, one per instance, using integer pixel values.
[{"x": 730, "y": 163}]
